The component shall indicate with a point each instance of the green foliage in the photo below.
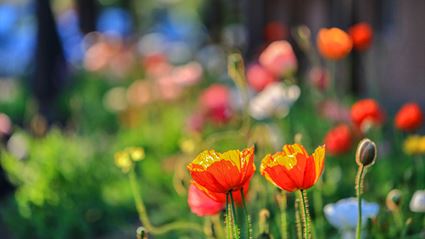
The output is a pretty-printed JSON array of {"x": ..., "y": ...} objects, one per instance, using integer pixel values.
[{"x": 50, "y": 201}]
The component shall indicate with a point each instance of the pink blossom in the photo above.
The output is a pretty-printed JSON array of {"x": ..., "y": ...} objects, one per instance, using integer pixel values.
[
  {"x": 202, "y": 205},
  {"x": 195, "y": 122},
  {"x": 334, "y": 111},
  {"x": 215, "y": 101},
  {"x": 259, "y": 77},
  {"x": 5, "y": 125},
  {"x": 188, "y": 74},
  {"x": 279, "y": 58},
  {"x": 156, "y": 65},
  {"x": 319, "y": 78}
]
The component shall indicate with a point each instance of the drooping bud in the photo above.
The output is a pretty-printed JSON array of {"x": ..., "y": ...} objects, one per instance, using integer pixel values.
[
  {"x": 141, "y": 233},
  {"x": 263, "y": 224},
  {"x": 366, "y": 153},
  {"x": 236, "y": 69},
  {"x": 393, "y": 200}
]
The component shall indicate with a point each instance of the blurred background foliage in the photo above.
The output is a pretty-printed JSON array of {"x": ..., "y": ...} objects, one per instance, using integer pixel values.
[{"x": 69, "y": 114}]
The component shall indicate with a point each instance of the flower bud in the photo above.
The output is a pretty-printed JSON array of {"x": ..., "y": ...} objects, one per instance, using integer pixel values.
[
  {"x": 236, "y": 69},
  {"x": 264, "y": 215},
  {"x": 141, "y": 233},
  {"x": 366, "y": 153},
  {"x": 393, "y": 200}
]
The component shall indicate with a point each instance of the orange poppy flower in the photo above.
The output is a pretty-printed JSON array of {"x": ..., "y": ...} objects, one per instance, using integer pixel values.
[
  {"x": 222, "y": 172},
  {"x": 361, "y": 34},
  {"x": 293, "y": 169},
  {"x": 409, "y": 117},
  {"x": 334, "y": 43}
]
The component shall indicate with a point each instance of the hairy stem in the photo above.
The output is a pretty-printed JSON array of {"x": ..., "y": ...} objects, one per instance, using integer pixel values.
[
  {"x": 228, "y": 219},
  {"x": 359, "y": 187},
  {"x": 143, "y": 216},
  {"x": 305, "y": 214},
  {"x": 298, "y": 216},
  {"x": 283, "y": 216},
  {"x": 234, "y": 222}
]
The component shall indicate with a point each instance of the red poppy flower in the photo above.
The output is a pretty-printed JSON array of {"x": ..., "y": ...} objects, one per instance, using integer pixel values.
[
  {"x": 259, "y": 77},
  {"x": 293, "y": 169},
  {"x": 202, "y": 205},
  {"x": 367, "y": 110},
  {"x": 361, "y": 34},
  {"x": 338, "y": 140},
  {"x": 409, "y": 117},
  {"x": 223, "y": 172},
  {"x": 333, "y": 43}
]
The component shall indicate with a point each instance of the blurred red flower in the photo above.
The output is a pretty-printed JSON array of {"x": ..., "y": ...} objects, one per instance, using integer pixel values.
[
  {"x": 319, "y": 78},
  {"x": 361, "y": 34},
  {"x": 366, "y": 111},
  {"x": 259, "y": 77},
  {"x": 409, "y": 117},
  {"x": 338, "y": 140},
  {"x": 275, "y": 31},
  {"x": 334, "y": 111},
  {"x": 201, "y": 204},
  {"x": 333, "y": 43},
  {"x": 156, "y": 65},
  {"x": 195, "y": 122},
  {"x": 187, "y": 75},
  {"x": 279, "y": 58},
  {"x": 215, "y": 101}
]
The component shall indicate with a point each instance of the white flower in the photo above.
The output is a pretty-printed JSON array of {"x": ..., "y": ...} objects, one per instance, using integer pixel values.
[
  {"x": 417, "y": 204},
  {"x": 18, "y": 145},
  {"x": 343, "y": 214},
  {"x": 275, "y": 99}
]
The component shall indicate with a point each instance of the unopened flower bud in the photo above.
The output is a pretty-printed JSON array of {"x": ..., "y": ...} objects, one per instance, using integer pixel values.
[
  {"x": 236, "y": 69},
  {"x": 366, "y": 153},
  {"x": 141, "y": 233},
  {"x": 393, "y": 200},
  {"x": 263, "y": 217}
]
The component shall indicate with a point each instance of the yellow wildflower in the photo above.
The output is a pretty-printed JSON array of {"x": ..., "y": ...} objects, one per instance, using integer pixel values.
[
  {"x": 124, "y": 159},
  {"x": 414, "y": 144}
]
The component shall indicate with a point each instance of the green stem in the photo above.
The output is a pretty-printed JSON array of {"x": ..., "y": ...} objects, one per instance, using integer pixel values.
[
  {"x": 228, "y": 219},
  {"x": 305, "y": 214},
  {"x": 298, "y": 216},
  {"x": 140, "y": 207},
  {"x": 405, "y": 227},
  {"x": 420, "y": 171},
  {"x": 359, "y": 186},
  {"x": 218, "y": 229},
  {"x": 332, "y": 77},
  {"x": 318, "y": 206},
  {"x": 234, "y": 222},
  {"x": 246, "y": 123},
  {"x": 283, "y": 216},
  {"x": 247, "y": 217},
  {"x": 143, "y": 216},
  {"x": 208, "y": 228}
]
